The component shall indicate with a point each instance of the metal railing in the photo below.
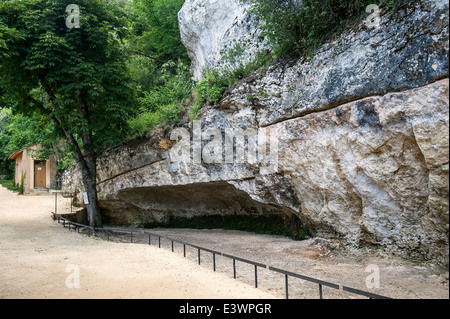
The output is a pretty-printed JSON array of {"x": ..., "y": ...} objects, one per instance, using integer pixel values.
[{"x": 287, "y": 274}]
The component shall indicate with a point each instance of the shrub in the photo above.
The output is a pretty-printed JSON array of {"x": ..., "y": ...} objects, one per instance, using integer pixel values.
[
  {"x": 20, "y": 188},
  {"x": 215, "y": 82},
  {"x": 212, "y": 86},
  {"x": 162, "y": 104},
  {"x": 165, "y": 115},
  {"x": 193, "y": 112},
  {"x": 176, "y": 85},
  {"x": 299, "y": 27},
  {"x": 9, "y": 184}
]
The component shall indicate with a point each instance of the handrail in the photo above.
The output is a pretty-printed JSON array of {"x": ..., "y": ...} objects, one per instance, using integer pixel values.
[
  {"x": 321, "y": 283},
  {"x": 314, "y": 280},
  {"x": 245, "y": 261},
  {"x": 364, "y": 293}
]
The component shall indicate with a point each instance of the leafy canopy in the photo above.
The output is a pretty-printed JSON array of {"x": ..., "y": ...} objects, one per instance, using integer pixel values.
[
  {"x": 75, "y": 75},
  {"x": 155, "y": 29}
]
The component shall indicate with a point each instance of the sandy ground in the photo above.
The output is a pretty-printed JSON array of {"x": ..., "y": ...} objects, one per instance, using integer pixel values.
[
  {"x": 36, "y": 251},
  {"x": 37, "y": 254},
  {"x": 398, "y": 278}
]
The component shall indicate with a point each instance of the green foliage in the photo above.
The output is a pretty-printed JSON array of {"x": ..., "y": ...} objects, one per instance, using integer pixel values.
[
  {"x": 155, "y": 30},
  {"x": 214, "y": 82},
  {"x": 162, "y": 88},
  {"x": 176, "y": 85},
  {"x": 16, "y": 132},
  {"x": 19, "y": 131},
  {"x": 165, "y": 115},
  {"x": 163, "y": 104},
  {"x": 76, "y": 75},
  {"x": 8, "y": 184},
  {"x": 300, "y": 27},
  {"x": 212, "y": 86},
  {"x": 20, "y": 188},
  {"x": 194, "y": 110},
  {"x": 145, "y": 74}
]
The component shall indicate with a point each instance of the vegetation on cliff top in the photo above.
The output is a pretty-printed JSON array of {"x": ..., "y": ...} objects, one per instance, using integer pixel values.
[{"x": 298, "y": 28}]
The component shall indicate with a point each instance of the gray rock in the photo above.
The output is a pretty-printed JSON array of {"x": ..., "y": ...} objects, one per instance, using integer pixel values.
[{"x": 213, "y": 29}]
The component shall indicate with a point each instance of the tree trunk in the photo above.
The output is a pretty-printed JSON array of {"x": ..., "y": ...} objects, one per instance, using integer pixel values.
[
  {"x": 90, "y": 186},
  {"x": 87, "y": 163},
  {"x": 86, "y": 159}
]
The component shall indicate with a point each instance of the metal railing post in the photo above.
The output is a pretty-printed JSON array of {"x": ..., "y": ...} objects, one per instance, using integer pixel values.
[
  {"x": 286, "y": 285},
  {"x": 234, "y": 268}
]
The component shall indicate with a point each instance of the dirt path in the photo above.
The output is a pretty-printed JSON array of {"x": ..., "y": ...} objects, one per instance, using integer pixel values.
[
  {"x": 35, "y": 253},
  {"x": 398, "y": 278}
]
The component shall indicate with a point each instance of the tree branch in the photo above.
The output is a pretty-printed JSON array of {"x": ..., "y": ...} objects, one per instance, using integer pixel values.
[{"x": 69, "y": 137}]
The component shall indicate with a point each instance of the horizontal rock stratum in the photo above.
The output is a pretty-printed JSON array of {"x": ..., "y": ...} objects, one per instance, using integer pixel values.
[{"x": 362, "y": 143}]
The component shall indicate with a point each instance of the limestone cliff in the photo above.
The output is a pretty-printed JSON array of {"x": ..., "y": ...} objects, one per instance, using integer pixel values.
[
  {"x": 361, "y": 133},
  {"x": 211, "y": 29}
]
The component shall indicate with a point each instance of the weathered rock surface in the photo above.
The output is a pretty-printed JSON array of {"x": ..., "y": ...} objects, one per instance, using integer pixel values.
[
  {"x": 408, "y": 49},
  {"x": 362, "y": 132},
  {"x": 211, "y": 29},
  {"x": 375, "y": 170}
]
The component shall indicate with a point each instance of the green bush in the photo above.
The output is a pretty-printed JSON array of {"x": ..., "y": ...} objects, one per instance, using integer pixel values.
[
  {"x": 214, "y": 82},
  {"x": 20, "y": 188},
  {"x": 211, "y": 87},
  {"x": 175, "y": 86},
  {"x": 155, "y": 29},
  {"x": 299, "y": 27},
  {"x": 9, "y": 184},
  {"x": 162, "y": 104},
  {"x": 193, "y": 112},
  {"x": 165, "y": 115}
]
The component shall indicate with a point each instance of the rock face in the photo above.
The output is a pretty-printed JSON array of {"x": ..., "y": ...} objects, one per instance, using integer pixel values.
[
  {"x": 375, "y": 170},
  {"x": 213, "y": 29},
  {"x": 361, "y": 135}
]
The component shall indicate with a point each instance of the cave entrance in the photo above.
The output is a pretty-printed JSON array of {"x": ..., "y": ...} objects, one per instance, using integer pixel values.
[{"x": 202, "y": 205}]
